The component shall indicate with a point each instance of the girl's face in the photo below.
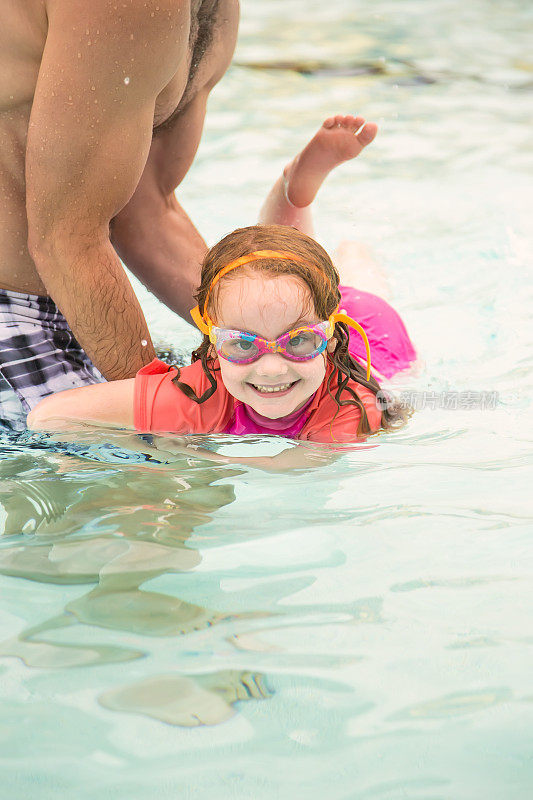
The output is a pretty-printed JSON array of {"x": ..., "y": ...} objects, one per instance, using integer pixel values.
[{"x": 269, "y": 307}]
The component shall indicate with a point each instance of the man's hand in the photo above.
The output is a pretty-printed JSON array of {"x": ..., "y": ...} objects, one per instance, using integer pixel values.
[{"x": 103, "y": 66}]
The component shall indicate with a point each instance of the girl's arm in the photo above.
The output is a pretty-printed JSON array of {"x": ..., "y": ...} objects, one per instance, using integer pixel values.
[
  {"x": 111, "y": 405},
  {"x": 101, "y": 404}
]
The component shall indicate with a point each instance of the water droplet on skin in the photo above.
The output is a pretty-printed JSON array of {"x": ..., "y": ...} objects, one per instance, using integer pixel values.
[
  {"x": 126, "y": 80},
  {"x": 144, "y": 342}
]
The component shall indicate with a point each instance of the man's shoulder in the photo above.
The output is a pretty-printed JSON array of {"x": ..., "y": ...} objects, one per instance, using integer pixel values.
[
  {"x": 141, "y": 41},
  {"x": 122, "y": 8},
  {"x": 171, "y": 15}
]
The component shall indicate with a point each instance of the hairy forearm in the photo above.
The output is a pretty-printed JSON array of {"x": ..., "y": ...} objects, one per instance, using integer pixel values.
[
  {"x": 90, "y": 287},
  {"x": 161, "y": 246}
]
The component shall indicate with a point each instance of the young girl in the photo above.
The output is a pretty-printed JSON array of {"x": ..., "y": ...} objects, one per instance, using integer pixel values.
[{"x": 286, "y": 350}]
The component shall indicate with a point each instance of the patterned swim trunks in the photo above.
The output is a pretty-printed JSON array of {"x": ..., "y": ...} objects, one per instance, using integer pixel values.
[{"x": 38, "y": 356}]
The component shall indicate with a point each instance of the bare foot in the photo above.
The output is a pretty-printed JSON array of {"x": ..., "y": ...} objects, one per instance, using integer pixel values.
[{"x": 339, "y": 139}]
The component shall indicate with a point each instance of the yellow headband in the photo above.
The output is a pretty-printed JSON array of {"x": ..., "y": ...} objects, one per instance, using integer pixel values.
[{"x": 204, "y": 322}]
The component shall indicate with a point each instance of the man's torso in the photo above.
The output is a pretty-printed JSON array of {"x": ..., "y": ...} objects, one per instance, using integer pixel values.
[{"x": 22, "y": 39}]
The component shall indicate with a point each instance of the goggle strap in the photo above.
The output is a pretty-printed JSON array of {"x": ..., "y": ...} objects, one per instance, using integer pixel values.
[
  {"x": 353, "y": 324},
  {"x": 199, "y": 320}
]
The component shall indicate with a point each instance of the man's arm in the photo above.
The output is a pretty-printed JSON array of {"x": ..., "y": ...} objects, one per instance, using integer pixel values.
[
  {"x": 88, "y": 141},
  {"x": 152, "y": 234}
]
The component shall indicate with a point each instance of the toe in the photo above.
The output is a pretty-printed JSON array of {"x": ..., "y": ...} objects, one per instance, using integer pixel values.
[
  {"x": 367, "y": 133},
  {"x": 353, "y": 123}
]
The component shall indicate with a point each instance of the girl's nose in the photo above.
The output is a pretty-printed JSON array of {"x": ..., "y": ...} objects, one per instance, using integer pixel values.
[{"x": 271, "y": 364}]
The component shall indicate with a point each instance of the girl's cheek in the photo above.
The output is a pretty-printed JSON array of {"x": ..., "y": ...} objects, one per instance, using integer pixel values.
[
  {"x": 232, "y": 373},
  {"x": 317, "y": 368}
]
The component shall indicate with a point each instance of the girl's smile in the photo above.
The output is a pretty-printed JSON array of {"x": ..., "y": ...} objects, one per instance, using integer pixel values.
[
  {"x": 280, "y": 389},
  {"x": 268, "y": 306}
]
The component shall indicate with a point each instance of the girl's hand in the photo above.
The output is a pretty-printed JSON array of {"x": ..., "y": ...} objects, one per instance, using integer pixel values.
[{"x": 298, "y": 456}]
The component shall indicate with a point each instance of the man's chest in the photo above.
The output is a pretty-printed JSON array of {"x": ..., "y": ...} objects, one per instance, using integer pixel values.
[
  {"x": 22, "y": 38},
  {"x": 211, "y": 44}
]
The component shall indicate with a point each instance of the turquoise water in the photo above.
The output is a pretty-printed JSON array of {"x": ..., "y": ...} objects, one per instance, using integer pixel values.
[{"x": 362, "y": 628}]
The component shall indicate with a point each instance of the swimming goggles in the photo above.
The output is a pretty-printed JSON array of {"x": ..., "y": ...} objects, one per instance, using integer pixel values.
[{"x": 300, "y": 344}]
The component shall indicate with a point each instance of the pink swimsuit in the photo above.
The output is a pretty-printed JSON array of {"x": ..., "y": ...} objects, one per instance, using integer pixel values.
[
  {"x": 391, "y": 349},
  {"x": 246, "y": 420}
]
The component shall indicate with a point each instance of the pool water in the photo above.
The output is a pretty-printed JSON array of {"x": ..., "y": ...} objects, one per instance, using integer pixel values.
[{"x": 361, "y": 628}]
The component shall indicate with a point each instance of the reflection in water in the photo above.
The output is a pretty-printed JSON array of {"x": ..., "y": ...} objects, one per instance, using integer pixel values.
[
  {"x": 39, "y": 653},
  {"x": 401, "y": 70},
  {"x": 188, "y": 701},
  {"x": 117, "y": 528},
  {"x": 453, "y": 705}
]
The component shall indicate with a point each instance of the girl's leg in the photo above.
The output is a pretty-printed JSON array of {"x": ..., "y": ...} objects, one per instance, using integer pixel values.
[
  {"x": 278, "y": 210},
  {"x": 340, "y": 138},
  {"x": 357, "y": 267}
]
